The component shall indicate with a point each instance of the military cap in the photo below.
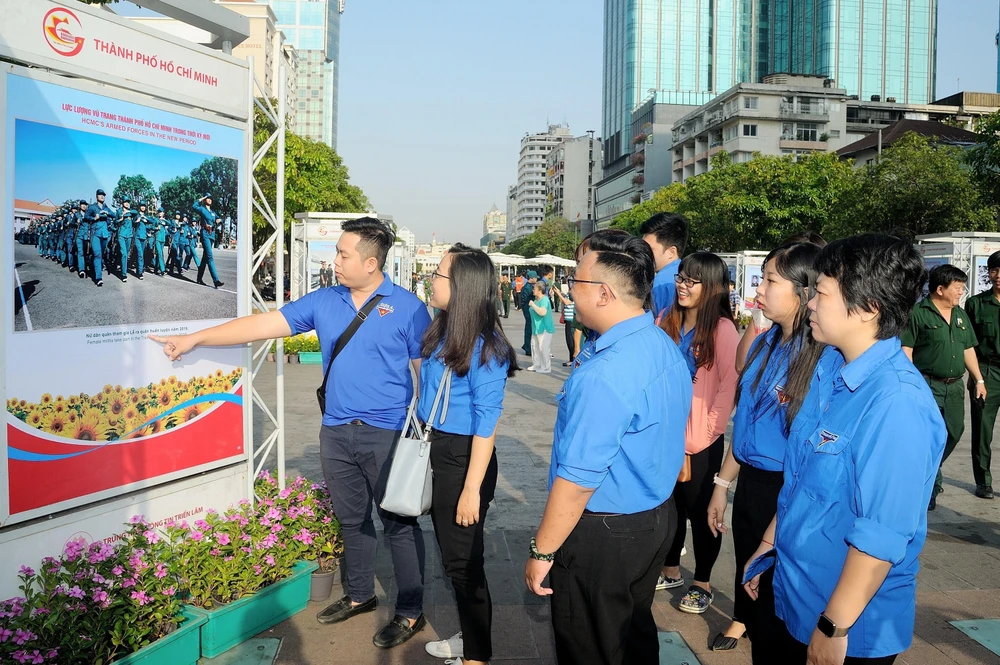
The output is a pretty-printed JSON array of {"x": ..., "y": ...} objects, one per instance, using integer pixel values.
[
  {"x": 84, "y": 202},
  {"x": 126, "y": 199},
  {"x": 209, "y": 196},
  {"x": 100, "y": 192}
]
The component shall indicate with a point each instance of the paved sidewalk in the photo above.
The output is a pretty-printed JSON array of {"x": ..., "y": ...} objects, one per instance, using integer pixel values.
[{"x": 959, "y": 579}]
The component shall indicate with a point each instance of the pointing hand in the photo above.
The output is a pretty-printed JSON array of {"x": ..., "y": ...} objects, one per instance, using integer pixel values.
[{"x": 175, "y": 346}]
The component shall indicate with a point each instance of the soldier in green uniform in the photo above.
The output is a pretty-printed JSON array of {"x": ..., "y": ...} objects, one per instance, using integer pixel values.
[
  {"x": 984, "y": 312},
  {"x": 505, "y": 293},
  {"x": 941, "y": 343}
]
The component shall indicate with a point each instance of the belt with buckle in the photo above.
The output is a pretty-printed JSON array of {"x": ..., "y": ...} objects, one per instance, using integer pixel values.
[{"x": 946, "y": 382}]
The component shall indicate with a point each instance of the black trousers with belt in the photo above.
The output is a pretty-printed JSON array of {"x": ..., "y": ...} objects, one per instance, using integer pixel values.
[
  {"x": 462, "y": 551},
  {"x": 754, "y": 506},
  {"x": 603, "y": 581}
]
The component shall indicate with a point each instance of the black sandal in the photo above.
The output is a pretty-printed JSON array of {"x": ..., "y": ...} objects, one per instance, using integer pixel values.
[{"x": 723, "y": 643}]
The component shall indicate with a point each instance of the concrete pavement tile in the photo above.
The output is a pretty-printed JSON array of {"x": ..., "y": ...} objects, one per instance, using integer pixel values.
[
  {"x": 968, "y": 652},
  {"x": 512, "y": 633},
  {"x": 924, "y": 655},
  {"x": 934, "y": 610}
]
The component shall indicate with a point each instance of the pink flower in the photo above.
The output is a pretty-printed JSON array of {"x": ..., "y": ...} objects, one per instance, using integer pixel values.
[
  {"x": 256, "y": 569},
  {"x": 228, "y": 558},
  {"x": 265, "y": 522},
  {"x": 212, "y": 511},
  {"x": 161, "y": 571},
  {"x": 197, "y": 536},
  {"x": 26, "y": 571},
  {"x": 128, "y": 582},
  {"x": 151, "y": 536},
  {"x": 269, "y": 559},
  {"x": 20, "y": 656},
  {"x": 99, "y": 579},
  {"x": 99, "y": 595},
  {"x": 327, "y": 520},
  {"x": 52, "y": 653},
  {"x": 137, "y": 519},
  {"x": 118, "y": 570},
  {"x": 246, "y": 537},
  {"x": 169, "y": 591},
  {"x": 22, "y": 636},
  {"x": 215, "y": 551},
  {"x": 285, "y": 493},
  {"x": 277, "y": 527},
  {"x": 6, "y": 633},
  {"x": 141, "y": 596},
  {"x": 304, "y": 536},
  {"x": 201, "y": 524},
  {"x": 73, "y": 549},
  {"x": 274, "y": 514},
  {"x": 75, "y": 592},
  {"x": 223, "y": 539},
  {"x": 248, "y": 550},
  {"x": 301, "y": 497},
  {"x": 36, "y": 657},
  {"x": 244, "y": 502}
]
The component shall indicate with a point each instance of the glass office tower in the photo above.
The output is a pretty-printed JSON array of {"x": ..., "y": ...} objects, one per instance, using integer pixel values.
[
  {"x": 683, "y": 51},
  {"x": 886, "y": 48},
  {"x": 313, "y": 27}
]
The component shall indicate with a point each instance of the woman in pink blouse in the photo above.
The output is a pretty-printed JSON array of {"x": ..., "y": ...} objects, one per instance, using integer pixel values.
[{"x": 701, "y": 323}]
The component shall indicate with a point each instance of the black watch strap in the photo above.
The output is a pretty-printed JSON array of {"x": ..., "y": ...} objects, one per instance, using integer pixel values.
[{"x": 826, "y": 626}]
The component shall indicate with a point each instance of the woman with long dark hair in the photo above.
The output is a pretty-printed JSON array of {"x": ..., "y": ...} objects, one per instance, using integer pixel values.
[
  {"x": 702, "y": 325},
  {"x": 773, "y": 384},
  {"x": 465, "y": 349}
]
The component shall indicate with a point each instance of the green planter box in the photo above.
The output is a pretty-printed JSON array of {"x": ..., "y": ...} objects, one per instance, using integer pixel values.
[
  {"x": 181, "y": 647},
  {"x": 310, "y": 357},
  {"x": 238, "y": 621}
]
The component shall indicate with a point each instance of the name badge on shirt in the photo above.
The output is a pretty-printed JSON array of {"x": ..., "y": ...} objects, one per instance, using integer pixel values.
[
  {"x": 384, "y": 308},
  {"x": 827, "y": 437},
  {"x": 783, "y": 397}
]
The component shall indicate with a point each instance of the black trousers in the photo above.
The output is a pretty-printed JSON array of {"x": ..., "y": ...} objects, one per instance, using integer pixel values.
[
  {"x": 754, "y": 506},
  {"x": 603, "y": 581},
  {"x": 462, "y": 547},
  {"x": 569, "y": 340},
  {"x": 527, "y": 330},
  {"x": 788, "y": 650},
  {"x": 692, "y": 499}
]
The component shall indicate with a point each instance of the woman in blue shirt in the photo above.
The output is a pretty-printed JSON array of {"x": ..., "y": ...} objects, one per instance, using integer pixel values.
[
  {"x": 772, "y": 386},
  {"x": 860, "y": 465},
  {"x": 467, "y": 339}
]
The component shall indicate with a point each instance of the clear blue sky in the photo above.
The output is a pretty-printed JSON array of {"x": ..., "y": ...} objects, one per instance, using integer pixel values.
[
  {"x": 58, "y": 164},
  {"x": 434, "y": 97}
]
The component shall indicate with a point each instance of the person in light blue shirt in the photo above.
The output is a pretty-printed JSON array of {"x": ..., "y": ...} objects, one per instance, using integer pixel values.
[
  {"x": 617, "y": 450},
  {"x": 210, "y": 220},
  {"x": 773, "y": 385},
  {"x": 369, "y": 389},
  {"x": 859, "y": 468},
  {"x": 466, "y": 339},
  {"x": 666, "y": 233},
  {"x": 100, "y": 215}
]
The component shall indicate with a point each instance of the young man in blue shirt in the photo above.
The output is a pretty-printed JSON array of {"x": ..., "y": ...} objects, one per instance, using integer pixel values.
[
  {"x": 618, "y": 448},
  {"x": 367, "y": 397},
  {"x": 859, "y": 469},
  {"x": 666, "y": 234}
]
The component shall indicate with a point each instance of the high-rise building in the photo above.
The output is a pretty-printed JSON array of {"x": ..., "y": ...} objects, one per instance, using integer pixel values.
[
  {"x": 495, "y": 221},
  {"x": 530, "y": 197},
  {"x": 885, "y": 49},
  {"x": 573, "y": 168},
  {"x": 313, "y": 27}
]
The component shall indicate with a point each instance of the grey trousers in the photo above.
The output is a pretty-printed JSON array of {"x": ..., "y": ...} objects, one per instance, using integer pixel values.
[{"x": 356, "y": 459}]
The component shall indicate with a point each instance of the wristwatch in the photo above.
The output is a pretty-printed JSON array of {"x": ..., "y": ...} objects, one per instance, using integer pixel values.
[
  {"x": 533, "y": 553},
  {"x": 829, "y": 628}
]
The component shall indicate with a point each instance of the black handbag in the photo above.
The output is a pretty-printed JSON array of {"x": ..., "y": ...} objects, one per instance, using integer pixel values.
[{"x": 342, "y": 341}]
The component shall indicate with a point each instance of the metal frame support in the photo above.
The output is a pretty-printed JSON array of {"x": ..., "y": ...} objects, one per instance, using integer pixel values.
[{"x": 275, "y": 216}]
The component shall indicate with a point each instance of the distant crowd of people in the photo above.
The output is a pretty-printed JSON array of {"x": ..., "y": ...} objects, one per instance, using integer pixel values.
[{"x": 837, "y": 439}]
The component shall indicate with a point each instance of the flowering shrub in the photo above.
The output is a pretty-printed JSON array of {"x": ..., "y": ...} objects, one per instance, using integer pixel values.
[
  {"x": 94, "y": 604},
  {"x": 226, "y": 557}
]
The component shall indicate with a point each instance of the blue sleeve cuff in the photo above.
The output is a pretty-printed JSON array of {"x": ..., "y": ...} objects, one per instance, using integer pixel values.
[
  {"x": 289, "y": 318},
  {"x": 484, "y": 421},
  {"x": 583, "y": 477},
  {"x": 877, "y": 540},
  {"x": 759, "y": 565}
]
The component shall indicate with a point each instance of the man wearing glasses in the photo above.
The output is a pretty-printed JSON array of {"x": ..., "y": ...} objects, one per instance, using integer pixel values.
[
  {"x": 941, "y": 343},
  {"x": 984, "y": 313},
  {"x": 617, "y": 449}
]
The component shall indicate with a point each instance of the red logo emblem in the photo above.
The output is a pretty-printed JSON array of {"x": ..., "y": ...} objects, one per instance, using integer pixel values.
[
  {"x": 61, "y": 27},
  {"x": 384, "y": 308}
]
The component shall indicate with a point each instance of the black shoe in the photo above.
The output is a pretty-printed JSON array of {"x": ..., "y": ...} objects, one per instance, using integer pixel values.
[
  {"x": 202, "y": 283},
  {"x": 398, "y": 631},
  {"x": 140, "y": 277},
  {"x": 342, "y": 610},
  {"x": 124, "y": 279},
  {"x": 218, "y": 284},
  {"x": 100, "y": 282},
  {"x": 984, "y": 491},
  {"x": 933, "y": 503},
  {"x": 723, "y": 643},
  {"x": 82, "y": 274}
]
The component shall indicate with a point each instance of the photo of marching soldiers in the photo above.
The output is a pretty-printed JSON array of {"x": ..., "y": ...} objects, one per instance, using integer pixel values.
[{"x": 182, "y": 232}]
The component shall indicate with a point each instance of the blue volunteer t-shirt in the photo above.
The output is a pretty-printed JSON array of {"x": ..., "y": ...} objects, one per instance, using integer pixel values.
[
  {"x": 664, "y": 288},
  {"x": 371, "y": 379}
]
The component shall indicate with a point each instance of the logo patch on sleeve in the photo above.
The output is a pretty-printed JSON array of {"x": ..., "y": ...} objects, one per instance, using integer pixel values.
[
  {"x": 783, "y": 397},
  {"x": 384, "y": 308},
  {"x": 827, "y": 437}
]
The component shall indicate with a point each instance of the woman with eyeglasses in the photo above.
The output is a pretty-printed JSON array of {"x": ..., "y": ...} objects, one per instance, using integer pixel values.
[
  {"x": 701, "y": 323},
  {"x": 466, "y": 338},
  {"x": 772, "y": 387}
]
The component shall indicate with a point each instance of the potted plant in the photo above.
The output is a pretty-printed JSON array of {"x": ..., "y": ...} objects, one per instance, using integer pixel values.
[
  {"x": 101, "y": 604},
  {"x": 292, "y": 345},
  {"x": 309, "y": 351},
  {"x": 272, "y": 351},
  {"x": 244, "y": 570}
]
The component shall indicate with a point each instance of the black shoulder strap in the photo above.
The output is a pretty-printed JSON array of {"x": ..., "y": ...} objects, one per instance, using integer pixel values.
[{"x": 346, "y": 336}]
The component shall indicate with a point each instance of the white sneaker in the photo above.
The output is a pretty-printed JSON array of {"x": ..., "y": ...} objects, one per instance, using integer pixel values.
[
  {"x": 453, "y": 647},
  {"x": 457, "y": 661},
  {"x": 663, "y": 582}
]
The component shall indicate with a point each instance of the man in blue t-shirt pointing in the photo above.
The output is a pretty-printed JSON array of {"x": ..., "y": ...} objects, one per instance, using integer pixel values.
[{"x": 367, "y": 395}]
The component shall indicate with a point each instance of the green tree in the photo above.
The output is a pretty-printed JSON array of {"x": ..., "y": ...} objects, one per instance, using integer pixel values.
[
  {"x": 136, "y": 188},
  {"x": 666, "y": 199},
  {"x": 918, "y": 186},
  {"x": 315, "y": 179},
  {"x": 555, "y": 236},
  {"x": 755, "y": 205},
  {"x": 984, "y": 158},
  {"x": 177, "y": 195},
  {"x": 220, "y": 177}
]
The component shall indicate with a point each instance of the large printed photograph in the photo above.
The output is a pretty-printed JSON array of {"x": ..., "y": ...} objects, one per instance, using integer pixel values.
[{"x": 111, "y": 231}]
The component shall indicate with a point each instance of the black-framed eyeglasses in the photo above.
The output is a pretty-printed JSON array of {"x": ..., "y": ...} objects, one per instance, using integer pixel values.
[
  {"x": 572, "y": 281},
  {"x": 436, "y": 274},
  {"x": 686, "y": 281}
]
